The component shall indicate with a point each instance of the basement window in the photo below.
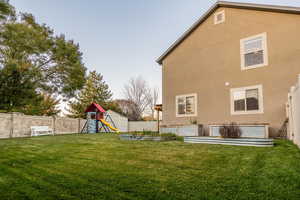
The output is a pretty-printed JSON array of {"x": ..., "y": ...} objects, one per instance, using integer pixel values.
[
  {"x": 186, "y": 105},
  {"x": 219, "y": 17},
  {"x": 254, "y": 52},
  {"x": 247, "y": 100}
]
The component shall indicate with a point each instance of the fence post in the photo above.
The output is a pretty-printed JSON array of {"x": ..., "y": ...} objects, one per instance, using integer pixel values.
[
  {"x": 54, "y": 125},
  {"x": 11, "y": 131},
  {"x": 79, "y": 126},
  {"x": 292, "y": 106}
]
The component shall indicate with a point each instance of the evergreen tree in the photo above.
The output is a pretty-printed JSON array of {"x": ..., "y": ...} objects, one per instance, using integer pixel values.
[
  {"x": 17, "y": 88},
  {"x": 46, "y": 105},
  {"x": 95, "y": 90},
  {"x": 6, "y": 9}
]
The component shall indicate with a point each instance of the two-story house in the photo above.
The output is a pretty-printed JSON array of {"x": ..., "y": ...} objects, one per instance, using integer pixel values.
[{"x": 235, "y": 64}]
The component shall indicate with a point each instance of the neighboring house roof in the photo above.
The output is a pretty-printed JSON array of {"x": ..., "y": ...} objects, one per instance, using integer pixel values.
[
  {"x": 94, "y": 106},
  {"x": 249, "y": 6}
]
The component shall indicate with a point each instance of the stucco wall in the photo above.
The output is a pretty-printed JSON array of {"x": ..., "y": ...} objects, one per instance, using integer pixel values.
[
  {"x": 18, "y": 125},
  {"x": 210, "y": 57}
]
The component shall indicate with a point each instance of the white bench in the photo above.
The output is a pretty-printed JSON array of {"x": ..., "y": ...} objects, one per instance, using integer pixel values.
[{"x": 41, "y": 130}]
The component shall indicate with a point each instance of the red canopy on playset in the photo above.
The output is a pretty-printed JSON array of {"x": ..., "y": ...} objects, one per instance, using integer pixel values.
[{"x": 95, "y": 108}]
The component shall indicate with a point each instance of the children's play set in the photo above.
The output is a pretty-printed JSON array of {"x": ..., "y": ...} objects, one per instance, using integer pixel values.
[{"x": 98, "y": 120}]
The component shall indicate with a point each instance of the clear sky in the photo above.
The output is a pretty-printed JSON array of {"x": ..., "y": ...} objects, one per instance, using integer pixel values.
[{"x": 123, "y": 38}]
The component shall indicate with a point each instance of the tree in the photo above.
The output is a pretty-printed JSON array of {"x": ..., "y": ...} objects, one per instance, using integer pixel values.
[
  {"x": 137, "y": 91},
  {"x": 17, "y": 88},
  {"x": 47, "y": 105},
  {"x": 18, "y": 94},
  {"x": 54, "y": 63},
  {"x": 153, "y": 99},
  {"x": 95, "y": 90},
  {"x": 5, "y": 9},
  {"x": 129, "y": 109},
  {"x": 35, "y": 62}
]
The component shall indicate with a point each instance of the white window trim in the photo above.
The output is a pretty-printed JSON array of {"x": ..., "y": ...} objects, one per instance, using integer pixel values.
[
  {"x": 196, "y": 105},
  {"x": 260, "y": 100},
  {"x": 216, "y": 17},
  {"x": 265, "y": 49}
]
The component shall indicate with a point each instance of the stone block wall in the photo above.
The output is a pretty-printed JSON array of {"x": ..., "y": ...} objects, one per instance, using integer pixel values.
[{"x": 14, "y": 125}]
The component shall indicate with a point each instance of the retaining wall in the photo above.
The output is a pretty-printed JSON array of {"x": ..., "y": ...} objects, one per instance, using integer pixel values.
[{"x": 184, "y": 130}]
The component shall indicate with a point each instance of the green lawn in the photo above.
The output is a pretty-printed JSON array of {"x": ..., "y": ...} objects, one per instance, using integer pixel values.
[{"x": 102, "y": 167}]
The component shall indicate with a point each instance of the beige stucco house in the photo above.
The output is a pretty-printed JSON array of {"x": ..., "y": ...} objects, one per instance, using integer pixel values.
[{"x": 235, "y": 64}]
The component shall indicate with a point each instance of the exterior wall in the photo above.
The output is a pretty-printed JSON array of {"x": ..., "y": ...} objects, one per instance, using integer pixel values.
[
  {"x": 120, "y": 121},
  {"x": 293, "y": 112},
  {"x": 210, "y": 57},
  {"x": 142, "y": 126},
  {"x": 18, "y": 125}
]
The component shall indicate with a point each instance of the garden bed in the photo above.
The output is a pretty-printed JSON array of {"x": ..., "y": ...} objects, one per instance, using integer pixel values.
[{"x": 259, "y": 142}]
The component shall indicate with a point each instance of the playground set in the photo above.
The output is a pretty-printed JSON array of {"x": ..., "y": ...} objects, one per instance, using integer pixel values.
[{"x": 98, "y": 120}]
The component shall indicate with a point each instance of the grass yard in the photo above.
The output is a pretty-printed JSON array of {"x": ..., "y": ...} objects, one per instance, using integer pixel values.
[{"x": 102, "y": 167}]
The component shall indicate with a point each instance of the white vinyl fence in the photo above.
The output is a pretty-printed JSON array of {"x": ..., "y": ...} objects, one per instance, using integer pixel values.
[
  {"x": 124, "y": 125},
  {"x": 293, "y": 113}
]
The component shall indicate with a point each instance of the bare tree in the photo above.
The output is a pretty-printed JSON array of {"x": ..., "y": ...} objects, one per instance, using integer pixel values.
[
  {"x": 137, "y": 91},
  {"x": 129, "y": 109},
  {"x": 153, "y": 99}
]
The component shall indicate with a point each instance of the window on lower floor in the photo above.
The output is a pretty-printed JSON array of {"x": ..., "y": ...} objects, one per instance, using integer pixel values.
[
  {"x": 247, "y": 100},
  {"x": 186, "y": 105}
]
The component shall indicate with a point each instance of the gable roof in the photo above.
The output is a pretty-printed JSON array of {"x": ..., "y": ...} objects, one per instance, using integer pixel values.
[
  {"x": 93, "y": 106},
  {"x": 227, "y": 4}
]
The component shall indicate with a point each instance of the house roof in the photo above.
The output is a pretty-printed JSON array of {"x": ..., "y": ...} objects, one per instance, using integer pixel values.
[
  {"x": 249, "y": 6},
  {"x": 94, "y": 106}
]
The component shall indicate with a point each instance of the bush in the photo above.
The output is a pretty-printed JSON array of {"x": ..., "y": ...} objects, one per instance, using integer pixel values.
[
  {"x": 230, "y": 131},
  {"x": 145, "y": 133},
  {"x": 164, "y": 136},
  {"x": 171, "y": 136}
]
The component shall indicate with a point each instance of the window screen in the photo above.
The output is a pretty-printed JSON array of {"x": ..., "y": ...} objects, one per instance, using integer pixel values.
[{"x": 254, "y": 51}]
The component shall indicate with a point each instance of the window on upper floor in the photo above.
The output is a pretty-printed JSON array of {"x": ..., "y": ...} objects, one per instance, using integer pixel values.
[
  {"x": 247, "y": 100},
  {"x": 186, "y": 105},
  {"x": 254, "y": 52},
  {"x": 219, "y": 17}
]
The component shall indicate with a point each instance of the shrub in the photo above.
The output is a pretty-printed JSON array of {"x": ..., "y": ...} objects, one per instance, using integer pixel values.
[
  {"x": 171, "y": 136},
  {"x": 168, "y": 136},
  {"x": 145, "y": 133},
  {"x": 230, "y": 131},
  {"x": 193, "y": 121},
  {"x": 164, "y": 136}
]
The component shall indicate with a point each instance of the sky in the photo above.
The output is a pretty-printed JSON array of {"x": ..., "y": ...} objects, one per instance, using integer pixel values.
[{"x": 122, "y": 39}]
